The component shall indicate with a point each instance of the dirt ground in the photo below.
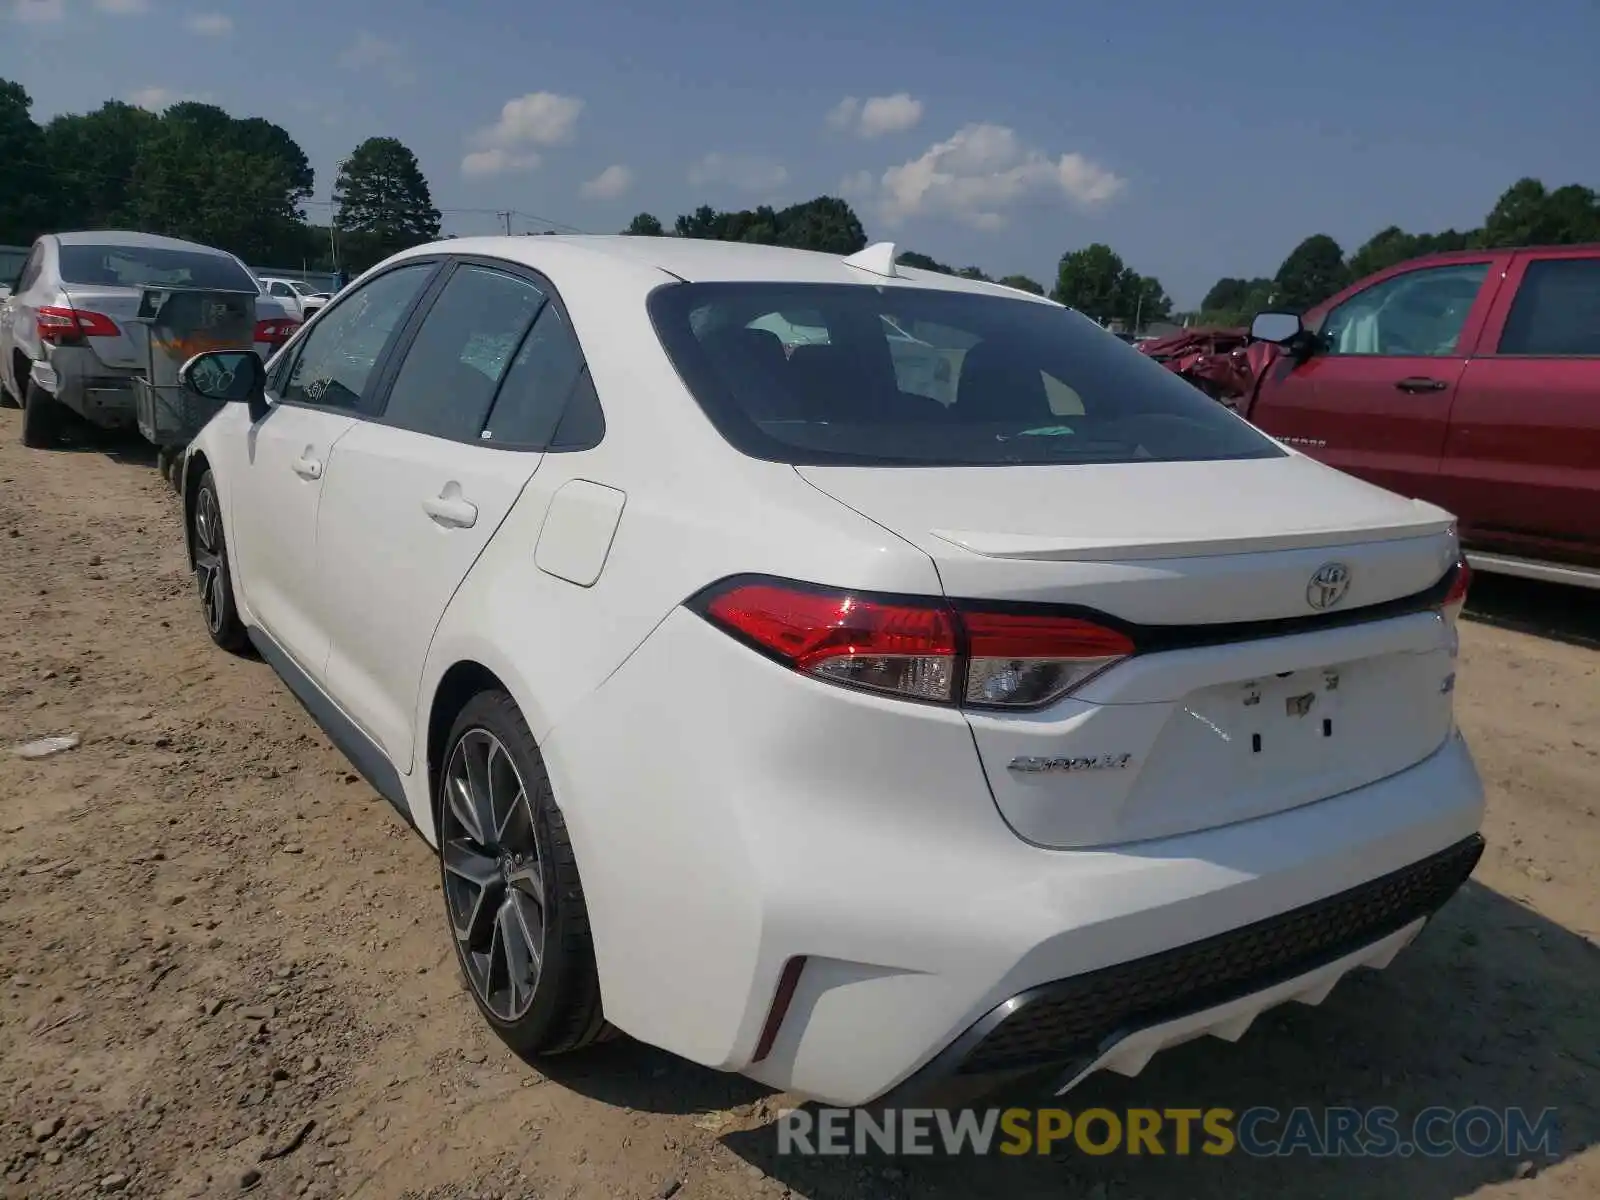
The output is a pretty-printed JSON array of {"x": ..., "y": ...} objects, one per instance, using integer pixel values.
[{"x": 223, "y": 966}]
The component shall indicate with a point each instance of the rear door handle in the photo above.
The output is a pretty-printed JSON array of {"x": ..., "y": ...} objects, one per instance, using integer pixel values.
[
  {"x": 1420, "y": 383},
  {"x": 450, "y": 509},
  {"x": 307, "y": 467}
]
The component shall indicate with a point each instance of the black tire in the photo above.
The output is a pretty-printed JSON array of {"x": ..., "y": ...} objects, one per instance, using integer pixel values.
[
  {"x": 213, "y": 573},
  {"x": 41, "y": 419},
  {"x": 529, "y": 852}
]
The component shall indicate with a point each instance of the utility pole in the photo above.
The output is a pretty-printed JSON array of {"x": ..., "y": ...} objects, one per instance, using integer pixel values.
[
  {"x": 333, "y": 217},
  {"x": 506, "y": 217}
]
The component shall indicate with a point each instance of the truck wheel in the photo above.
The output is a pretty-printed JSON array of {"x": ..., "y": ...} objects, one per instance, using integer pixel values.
[
  {"x": 513, "y": 900},
  {"x": 41, "y": 419}
]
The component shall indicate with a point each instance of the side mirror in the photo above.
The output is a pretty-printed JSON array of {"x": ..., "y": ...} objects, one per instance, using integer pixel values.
[
  {"x": 1279, "y": 327},
  {"x": 237, "y": 376}
]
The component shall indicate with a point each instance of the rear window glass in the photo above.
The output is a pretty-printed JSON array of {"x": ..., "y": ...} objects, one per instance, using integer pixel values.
[
  {"x": 856, "y": 374},
  {"x": 150, "y": 266}
]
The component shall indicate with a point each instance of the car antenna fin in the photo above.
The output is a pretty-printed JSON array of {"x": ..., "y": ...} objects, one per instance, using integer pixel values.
[{"x": 877, "y": 259}]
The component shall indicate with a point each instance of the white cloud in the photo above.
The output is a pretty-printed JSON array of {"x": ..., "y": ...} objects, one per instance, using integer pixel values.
[
  {"x": 609, "y": 184},
  {"x": 371, "y": 52},
  {"x": 877, "y": 115},
  {"x": 980, "y": 172},
  {"x": 526, "y": 123},
  {"x": 123, "y": 8},
  {"x": 747, "y": 173},
  {"x": 210, "y": 24},
  {"x": 39, "y": 12},
  {"x": 497, "y": 162},
  {"x": 157, "y": 98}
]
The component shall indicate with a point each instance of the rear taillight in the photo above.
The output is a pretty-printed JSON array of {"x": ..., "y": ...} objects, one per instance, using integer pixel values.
[
  {"x": 62, "y": 326},
  {"x": 918, "y": 649},
  {"x": 1456, "y": 598},
  {"x": 275, "y": 332},
  {"x": 1024, "y": 660}
]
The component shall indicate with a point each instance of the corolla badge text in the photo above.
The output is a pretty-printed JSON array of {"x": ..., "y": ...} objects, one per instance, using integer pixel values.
[{"x": 1101, "y": 762}]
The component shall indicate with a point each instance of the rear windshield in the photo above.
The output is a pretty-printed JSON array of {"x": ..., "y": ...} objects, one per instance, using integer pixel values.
[
  {"x": 857, "y": 374},
  {"x": 150, "y": 266}
]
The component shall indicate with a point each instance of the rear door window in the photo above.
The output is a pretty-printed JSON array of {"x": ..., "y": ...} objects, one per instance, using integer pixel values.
[
  {"x": 538, "y": 386},
  {"x": 461, "y": 352},
  {"x": 841, "y": 373},
  {"x": 1557, "y": 310}
]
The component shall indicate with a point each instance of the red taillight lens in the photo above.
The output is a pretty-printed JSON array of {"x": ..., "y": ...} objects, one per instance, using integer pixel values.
[
  {"x": 923, "y": 650},
  {"x": 63, "y": 326},
  {"x": 275, "y": 332},
  {"x": 902, "y": 648}
]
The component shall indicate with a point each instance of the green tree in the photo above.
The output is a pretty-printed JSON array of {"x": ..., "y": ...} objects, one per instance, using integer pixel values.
[
  {"x": 1091, "y": 280},
  {"x": 207, "y": 176},
  {"x": 645, "y": 225},
  {"x": 382, "y": 202},
  {"x": 825, "y": 224},
  {"x": 1097, "y": 283},
  {"x": 27, "y": 186},
  {"x": 1150, "y": 301},
  {"x": 974, "y": 273},
  {"x": 1023, "y": 284},
  {"x": 1234, "y": 301},
  {"x": 1313, "y": 271},
  {"x": 922, "y": 262},
  {"x": 1528, "y": 215},
  {"x": 93, "y": 156}
]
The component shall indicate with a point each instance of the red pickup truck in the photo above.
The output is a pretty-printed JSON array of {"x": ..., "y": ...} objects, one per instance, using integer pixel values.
[{"x": 1471, "y": 380}]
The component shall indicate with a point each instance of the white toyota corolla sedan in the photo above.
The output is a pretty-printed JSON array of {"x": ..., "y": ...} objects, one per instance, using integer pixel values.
[{"x": 869, "y": 725}]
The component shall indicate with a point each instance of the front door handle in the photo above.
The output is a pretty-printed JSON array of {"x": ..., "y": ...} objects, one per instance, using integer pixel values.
[
  {"x": 1420, "y": 383},
  {"x": 450, "y": 509},
  {"x": 307, "y": 467}
]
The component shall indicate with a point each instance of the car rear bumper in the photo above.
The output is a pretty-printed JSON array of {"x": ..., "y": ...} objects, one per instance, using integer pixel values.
[
  {"x": 1118, "y": 1017},
  {"x": 732, "y": 819},
  {"x": 77, "y": 378}
]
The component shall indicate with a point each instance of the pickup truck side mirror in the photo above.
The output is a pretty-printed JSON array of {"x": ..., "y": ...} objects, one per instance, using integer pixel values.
[
  {"x": 235, "y": 376},
  {"x": 1284, "y": 329}
]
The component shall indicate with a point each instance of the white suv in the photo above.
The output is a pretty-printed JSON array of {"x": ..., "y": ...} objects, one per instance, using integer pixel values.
[{"x": 814, "y": 728}]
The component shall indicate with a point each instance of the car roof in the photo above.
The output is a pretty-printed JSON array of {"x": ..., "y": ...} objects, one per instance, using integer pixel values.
[
  {"x": 1575, "y": 250},
  {"x": 696, "y": 260},
  {"x": 123, "y": 237}
]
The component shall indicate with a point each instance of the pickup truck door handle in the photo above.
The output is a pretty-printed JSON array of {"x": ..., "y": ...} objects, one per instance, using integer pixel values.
[
  {"x": 1420, "y": 383},
  {"x": 307, "y": 467},
  {"x": 450, "y": 509}
]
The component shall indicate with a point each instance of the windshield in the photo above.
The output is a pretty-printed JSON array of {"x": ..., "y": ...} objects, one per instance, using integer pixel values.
[
  {"x": 305, "y": 289},
  {"x": 856, "y": 374},
  {"x": 151, "y": 266}
]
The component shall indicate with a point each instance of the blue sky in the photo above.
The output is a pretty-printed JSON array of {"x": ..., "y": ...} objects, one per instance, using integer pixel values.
[{"x": 1198, "y": 140}]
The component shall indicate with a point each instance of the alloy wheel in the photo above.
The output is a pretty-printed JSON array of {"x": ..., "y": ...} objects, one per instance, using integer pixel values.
[
  {"x": 208, "y": 552},
  {"x": 493, "y": 878}
]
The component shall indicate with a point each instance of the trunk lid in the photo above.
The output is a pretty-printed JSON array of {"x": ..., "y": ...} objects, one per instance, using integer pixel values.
[
  {"x": 1158, "y": 543},
  {"x": 1207, "y": 726},
  {"x": 121, "y": 304}
]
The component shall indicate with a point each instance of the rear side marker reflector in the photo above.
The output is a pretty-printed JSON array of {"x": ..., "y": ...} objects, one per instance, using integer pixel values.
[
  {"x": 918, "y": 649},
  {"x": 1460, "y": 583},
  {"x": 788, "y": 981}
]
